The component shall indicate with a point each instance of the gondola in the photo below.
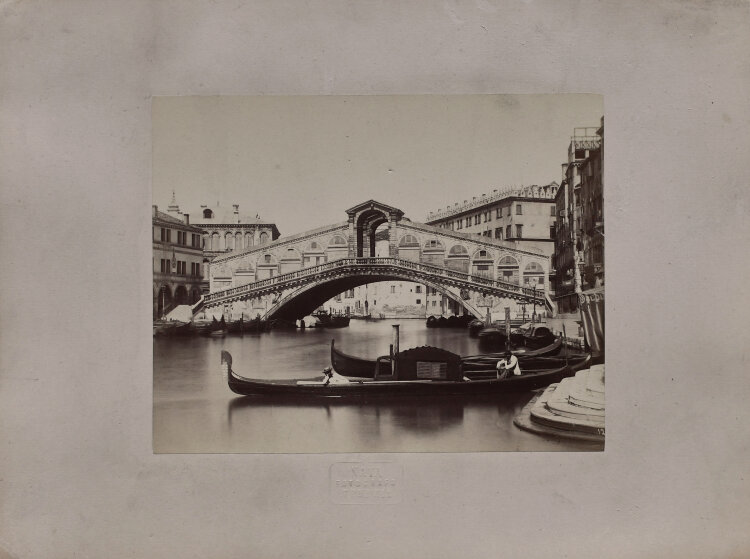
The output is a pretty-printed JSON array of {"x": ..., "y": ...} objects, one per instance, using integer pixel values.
[
  {"x": 532, "y": 336},
  {"x": 422, "y": 371},
  {"x": 475, "y": 326},
  {"x": 492, "y": 335},
  {"x": 522, "y": 352},
  {"x": 326, "y": 320},
  {"x": 352, "y": 366}
]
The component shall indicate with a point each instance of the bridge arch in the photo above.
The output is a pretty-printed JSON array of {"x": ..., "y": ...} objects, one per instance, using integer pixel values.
[{"x": 305, "y": 299}]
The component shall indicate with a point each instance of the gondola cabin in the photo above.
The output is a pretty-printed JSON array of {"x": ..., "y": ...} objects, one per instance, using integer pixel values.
[{"x": 424, "y": 363}]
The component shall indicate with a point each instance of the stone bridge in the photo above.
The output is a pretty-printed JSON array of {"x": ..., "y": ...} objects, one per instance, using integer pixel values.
[{"x": 292, "y": 276}]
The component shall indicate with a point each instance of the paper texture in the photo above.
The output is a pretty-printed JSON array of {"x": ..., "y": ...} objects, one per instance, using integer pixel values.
[{"x": 77, "y": 473}]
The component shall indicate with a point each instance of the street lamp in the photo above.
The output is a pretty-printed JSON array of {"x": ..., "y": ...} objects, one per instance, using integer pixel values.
[{"x": 533, "y": 284}]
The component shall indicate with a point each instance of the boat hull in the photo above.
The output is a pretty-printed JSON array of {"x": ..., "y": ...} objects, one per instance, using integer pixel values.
[{"x": 358, "y": 388}]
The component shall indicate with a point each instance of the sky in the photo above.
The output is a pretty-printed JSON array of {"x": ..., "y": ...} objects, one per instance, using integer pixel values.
[{"x": 301, "y": 161}]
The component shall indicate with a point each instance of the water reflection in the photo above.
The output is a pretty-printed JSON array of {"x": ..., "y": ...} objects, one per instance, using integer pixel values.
[
  {"x": 194, "y": 410},
  {"x": 416, "y": 414}
]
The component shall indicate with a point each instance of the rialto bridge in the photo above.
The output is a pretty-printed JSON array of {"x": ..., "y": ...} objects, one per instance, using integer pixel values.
[{"x": 292, "y": 276}]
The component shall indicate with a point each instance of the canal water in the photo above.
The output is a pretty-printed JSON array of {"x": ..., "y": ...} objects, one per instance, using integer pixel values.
[{"x": 194, "y": 410}]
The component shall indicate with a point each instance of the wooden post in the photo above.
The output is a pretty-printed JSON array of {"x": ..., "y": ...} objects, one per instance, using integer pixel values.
[
  {"x": 394, "y": 360},
  {"x": 507, "y": 328}
]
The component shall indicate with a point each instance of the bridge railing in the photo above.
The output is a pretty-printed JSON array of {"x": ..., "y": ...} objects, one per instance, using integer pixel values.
[{"x": 373, "y": 262}]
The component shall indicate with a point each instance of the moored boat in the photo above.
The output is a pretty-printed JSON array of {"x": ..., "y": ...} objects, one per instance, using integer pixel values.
[
  {"x": 532, "y": 336},
  {"x": 422, "y": 371},
  {"x": 326, "y": 320},
  {"x": 353, "y": 366},
  {"x": 492, "y": 335},
  {"x": 475, "y": 326}
]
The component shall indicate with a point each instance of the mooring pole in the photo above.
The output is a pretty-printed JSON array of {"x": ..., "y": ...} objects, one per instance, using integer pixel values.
[{"x": 394, "y": 360}]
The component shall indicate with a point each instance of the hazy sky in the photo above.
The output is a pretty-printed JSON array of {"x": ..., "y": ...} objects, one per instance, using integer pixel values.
[{"x": 302, "y": 161}]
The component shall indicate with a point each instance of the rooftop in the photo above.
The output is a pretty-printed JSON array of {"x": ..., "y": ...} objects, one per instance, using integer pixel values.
[{"x": 531, "y": 191}]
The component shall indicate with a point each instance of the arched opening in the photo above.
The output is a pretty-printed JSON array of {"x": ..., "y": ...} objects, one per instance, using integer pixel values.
[
  {"x": 507, "y": 270},
  {"x": 533, "y": 274},
  {"x": 337, "y": 248},
  {"x": 408, "y": 248},
  {"x": 458, "y": 259},
  {"x": 309, "y": 297},
  {"x": 366, "y": 227},
  {"x": 229, "y": 241},
  {"x": 291, "y": 260},
  {"x": 313, "y": 254},
  {"x": 208, "y": 214},
  {"x": 482, "y": 264},
  {"x": 433, "y": 252},
  {"x": 215, "y": 244},
  {"x": 266, "y": 267},
  {"x": 263, "y": 238},
  {"x": 180, "y": 295},
  {"x": 248, "y": 240}
]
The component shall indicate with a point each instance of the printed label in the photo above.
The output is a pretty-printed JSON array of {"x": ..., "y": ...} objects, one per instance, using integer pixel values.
[{"x": 365, "y": 483}]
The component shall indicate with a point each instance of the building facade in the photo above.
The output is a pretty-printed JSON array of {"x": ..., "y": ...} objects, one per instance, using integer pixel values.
[
  {"x": 523, "y": 217},
  {"x": 225, "y": 230},
  {"x": 578, "y": 261},
  {"x": 177, "y": 262}
]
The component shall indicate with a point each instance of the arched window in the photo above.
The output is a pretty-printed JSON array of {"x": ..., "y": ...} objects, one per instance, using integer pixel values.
[
  {"x": 263, "y": 238},
  {"x": 507, "y": 270},
  {"x": 458, "y": 251},
  {"x": 408, "y": 241},
  {"x": 533, "y": 274},
  {"x": 208, "y": 214}
]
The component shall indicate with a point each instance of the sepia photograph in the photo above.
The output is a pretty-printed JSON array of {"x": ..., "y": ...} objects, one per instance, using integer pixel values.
[
  {"x": 327, "y": 278},
  {"x": 417, "y": 273}
]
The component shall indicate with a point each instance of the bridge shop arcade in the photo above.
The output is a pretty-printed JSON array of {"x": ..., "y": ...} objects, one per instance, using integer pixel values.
[{"x": 292, "y": 276}]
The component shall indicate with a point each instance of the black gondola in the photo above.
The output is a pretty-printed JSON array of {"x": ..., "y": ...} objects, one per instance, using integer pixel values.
[
  {"x": 422, "y": 371},
  {"x": 353, "y": 366}
]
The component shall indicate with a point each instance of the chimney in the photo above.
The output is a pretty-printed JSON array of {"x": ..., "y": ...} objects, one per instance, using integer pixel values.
[
  {"x": 187, "y": 219},
  {"x": 154, "y": 209}
]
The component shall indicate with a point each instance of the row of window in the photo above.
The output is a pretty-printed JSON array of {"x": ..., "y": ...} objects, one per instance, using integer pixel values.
[
  {"x": 166, "y": 267},
  {"x": 166, "y": 237},
  {"x": 486, "y": 216}
]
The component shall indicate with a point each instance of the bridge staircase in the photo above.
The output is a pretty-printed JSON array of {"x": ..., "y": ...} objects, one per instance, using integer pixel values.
[{"x": 185, "y": 313}]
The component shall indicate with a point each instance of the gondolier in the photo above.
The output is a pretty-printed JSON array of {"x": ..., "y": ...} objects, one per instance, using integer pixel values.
[{"x": 508, "y": 366}]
